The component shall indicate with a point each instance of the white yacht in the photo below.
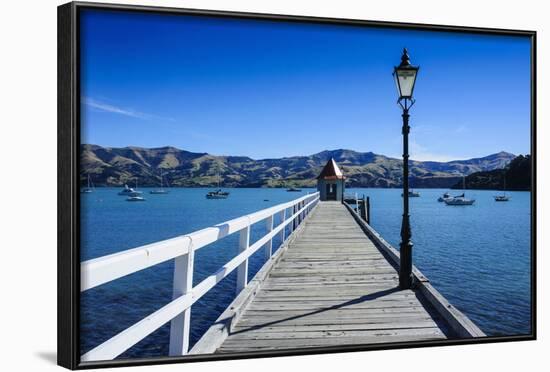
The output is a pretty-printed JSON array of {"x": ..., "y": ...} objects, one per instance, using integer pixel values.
[
  {"x": 459, "y": 200},
  {"x": 128, "y": 191}
]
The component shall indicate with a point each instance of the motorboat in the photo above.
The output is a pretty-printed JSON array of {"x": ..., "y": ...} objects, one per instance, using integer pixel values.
[
  {"x": 459, "y": 200},
  {"x": 218, "y": 194},
  {"x": 128, "y": 191},
  {"x": 413, "y": 194}
]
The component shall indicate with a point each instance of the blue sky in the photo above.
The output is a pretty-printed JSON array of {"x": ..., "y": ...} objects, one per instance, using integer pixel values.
[{"x": 271, "y": 89}]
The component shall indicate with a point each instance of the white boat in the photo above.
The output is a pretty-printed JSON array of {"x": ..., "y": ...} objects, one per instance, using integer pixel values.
[
  {"x": 161, "y": 190},
  {"x": 503, "y": 197},
  {"x": 89, "y": 188},
  {"x": 135, "y": 198},
  {"x": 413, "y": 194},
  {"x": 460, "y": 199},
  {"x": 128, "y": 191}
]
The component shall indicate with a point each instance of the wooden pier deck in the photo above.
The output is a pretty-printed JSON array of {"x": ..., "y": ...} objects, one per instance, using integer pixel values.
[{"x": 333, "y": 285}]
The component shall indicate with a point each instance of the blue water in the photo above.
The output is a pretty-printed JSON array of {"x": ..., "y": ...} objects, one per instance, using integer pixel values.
[{"x": 477, "y": 256}]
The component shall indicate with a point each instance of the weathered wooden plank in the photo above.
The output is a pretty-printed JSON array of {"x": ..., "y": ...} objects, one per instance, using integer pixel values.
[
  {"x": 231, "y": 345},
  {"x": 258, "y": 322},
  {"x": 281, "y": 335},
  {"x": 405, "y": 305},
  {"x": 335, "y": 327}
]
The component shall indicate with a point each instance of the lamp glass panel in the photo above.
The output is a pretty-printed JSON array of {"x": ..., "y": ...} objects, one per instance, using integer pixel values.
[{"x": 406, "y": 82}]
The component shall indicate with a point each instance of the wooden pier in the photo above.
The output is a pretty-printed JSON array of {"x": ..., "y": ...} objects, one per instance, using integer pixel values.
[
  {"x": 331, "y": 286},
  {"x": 332, "y": 282}
]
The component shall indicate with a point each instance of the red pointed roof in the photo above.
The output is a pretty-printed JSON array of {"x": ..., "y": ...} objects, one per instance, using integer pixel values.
[{"x": 331, "y": 171}]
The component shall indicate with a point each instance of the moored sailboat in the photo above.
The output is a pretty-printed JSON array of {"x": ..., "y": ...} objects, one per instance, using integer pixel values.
[
  {"x": 503, "y": 197},
  {"x": 161, "y": 190},
  {"x": 89, "y": 188}
]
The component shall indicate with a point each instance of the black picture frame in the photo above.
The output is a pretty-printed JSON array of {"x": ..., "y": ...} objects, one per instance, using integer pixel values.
[{"x": 68, "y": 183}]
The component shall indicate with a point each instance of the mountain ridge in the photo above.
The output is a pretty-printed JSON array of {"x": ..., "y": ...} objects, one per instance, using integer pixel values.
[{"x": 115, "y": 166}]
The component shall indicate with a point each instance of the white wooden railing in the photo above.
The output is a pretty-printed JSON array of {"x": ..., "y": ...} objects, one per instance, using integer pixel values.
[{"x": 181, "y": 249}]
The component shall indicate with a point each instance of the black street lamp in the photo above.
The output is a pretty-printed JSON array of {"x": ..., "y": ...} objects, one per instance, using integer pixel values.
[{"x": 405, "y": 77}]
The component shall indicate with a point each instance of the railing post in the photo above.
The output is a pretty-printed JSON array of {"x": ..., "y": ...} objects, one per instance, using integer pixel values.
[
  {"x": 182, "y": 284},
  {"x": 293, "y": 218},
  {"x": 269, "y": 244},
  {"x": 283, "y": 219},
  {"x": 242, "y": 270}
]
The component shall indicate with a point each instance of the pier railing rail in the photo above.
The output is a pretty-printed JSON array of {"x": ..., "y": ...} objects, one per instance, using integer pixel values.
[{"x": 181, "y": 249}]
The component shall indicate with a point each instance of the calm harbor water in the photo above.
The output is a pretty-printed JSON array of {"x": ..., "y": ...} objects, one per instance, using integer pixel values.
[{"x": 477, "y": 256}]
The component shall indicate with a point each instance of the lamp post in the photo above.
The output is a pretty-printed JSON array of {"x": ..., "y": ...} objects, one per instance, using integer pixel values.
[{"x": 405, "y": 77}]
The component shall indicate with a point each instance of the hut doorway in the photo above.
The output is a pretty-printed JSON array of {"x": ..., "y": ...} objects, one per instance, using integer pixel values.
[{"x": 331, "y": 191}]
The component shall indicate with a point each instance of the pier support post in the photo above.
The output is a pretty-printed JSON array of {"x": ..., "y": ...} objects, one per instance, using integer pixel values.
[
  {"x": 242, "y": 270},
  {"x": 405, "y": 247},
  {"x": 183, "y": 283}
]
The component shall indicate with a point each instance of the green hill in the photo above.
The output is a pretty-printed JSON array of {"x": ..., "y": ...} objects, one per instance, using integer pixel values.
[{"x": 517, "y": 175}]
